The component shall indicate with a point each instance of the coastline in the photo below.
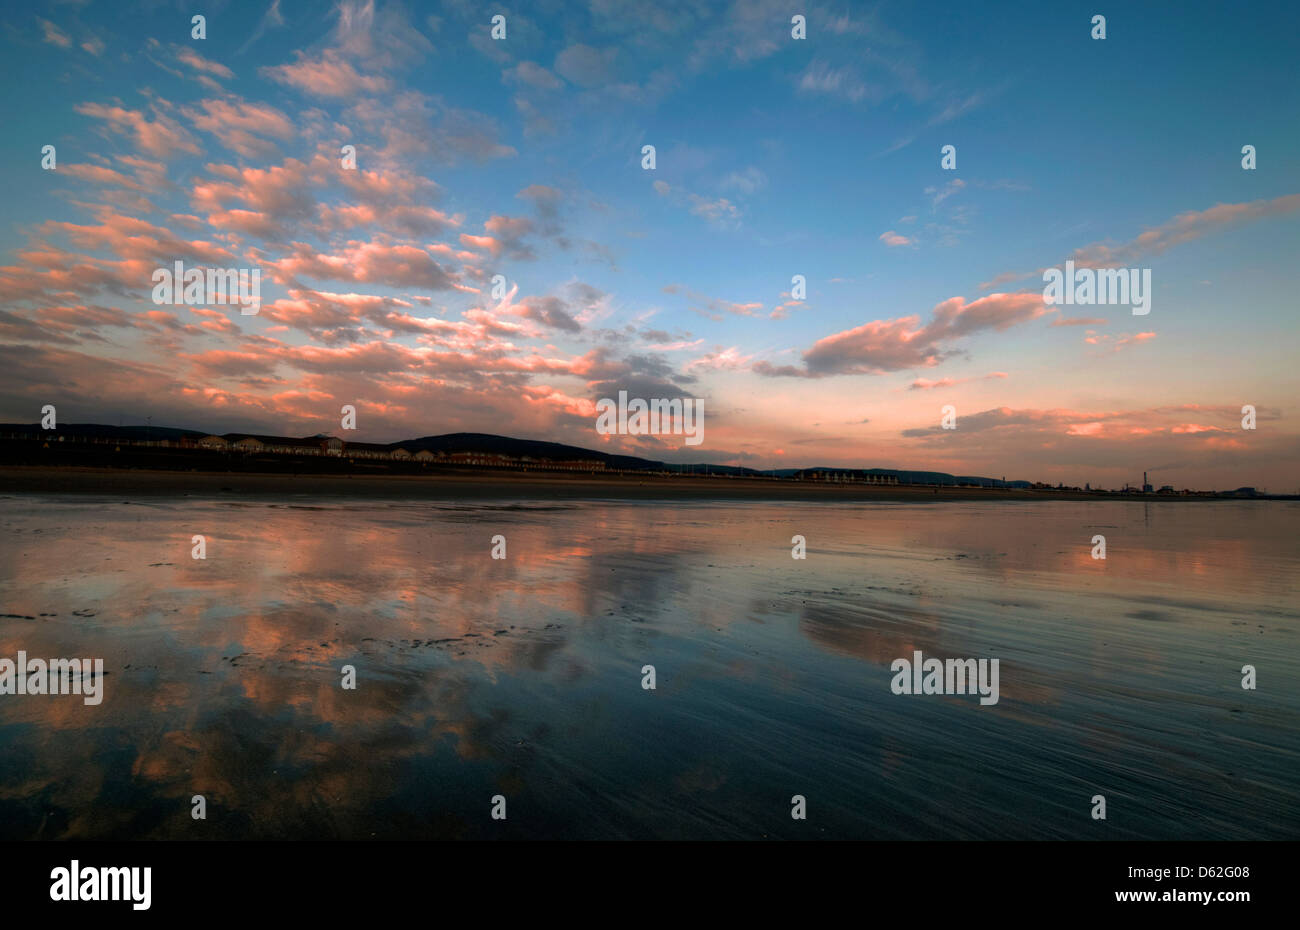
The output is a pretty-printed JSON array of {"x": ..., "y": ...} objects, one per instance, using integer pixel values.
[{"x": 457, "y": 485}]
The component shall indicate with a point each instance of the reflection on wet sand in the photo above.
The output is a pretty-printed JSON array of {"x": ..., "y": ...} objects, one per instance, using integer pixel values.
[{"x": 522, "y": 676}]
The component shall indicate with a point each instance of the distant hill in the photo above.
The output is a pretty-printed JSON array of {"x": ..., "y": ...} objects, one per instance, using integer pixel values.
[{"x": 534, "y": 448}]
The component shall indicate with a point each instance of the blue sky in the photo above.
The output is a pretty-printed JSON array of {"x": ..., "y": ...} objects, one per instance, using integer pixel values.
[{"x": 775, "y": 157}]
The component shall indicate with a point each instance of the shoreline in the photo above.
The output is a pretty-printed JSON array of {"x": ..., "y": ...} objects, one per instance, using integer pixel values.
[{"x": 30, "y": 479}]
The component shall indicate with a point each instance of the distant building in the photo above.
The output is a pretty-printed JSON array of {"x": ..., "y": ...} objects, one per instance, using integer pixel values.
[
  {"x": 853, "y": 477},
  {"x": 282, "y": 445},
  {"x": 575, "y": 465},
  {"x": 480, "y": 458},
  {"x": 214, "y": 442},
  {"x": 367, "y": 450},
  {"x": 1146, "y": 485},
  {"x": 287, "y": 446}
]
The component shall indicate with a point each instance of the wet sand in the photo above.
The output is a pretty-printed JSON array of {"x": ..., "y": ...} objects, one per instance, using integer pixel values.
[{"x": 522, "y": 676}]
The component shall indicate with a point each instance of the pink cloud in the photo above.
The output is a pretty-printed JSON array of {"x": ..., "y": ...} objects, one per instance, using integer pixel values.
[
  {"x": 241, "y": 126},
  {"x": 193, "y": 59},
  {"x": 161, "y": 137},
  {"x": 369, "y": 262},
  {"x": 891, "y": 345},
  {"x": 729, "y": 359},
  {"x": 1116, "y": 342},
  {"x": 1183, "y": 228},
  {"x": 1079, "y": 321},
  {"x": 328, "y": 76},
  {"x": 925, "y": 384},
  {"x": 54, "y": 35}
]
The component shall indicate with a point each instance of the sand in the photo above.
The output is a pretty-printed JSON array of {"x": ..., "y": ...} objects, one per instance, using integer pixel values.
[{"x": 523, "y": 676}]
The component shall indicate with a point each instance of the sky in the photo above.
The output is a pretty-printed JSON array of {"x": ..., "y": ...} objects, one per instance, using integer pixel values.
[{"x": 774, "y": 157}]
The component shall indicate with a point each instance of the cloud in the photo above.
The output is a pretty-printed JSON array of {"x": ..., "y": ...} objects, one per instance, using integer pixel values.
[
  {"x": 330, "y": 75},
  {"x": 282, "y": 194},
  {"x": 240, "y": 126},
  {"x": 54, "y": 35},
  {"x": 536, "y": 123},
  {"x": 136, "y": 239},
  {"x": 713, "y": 307},
  {"x": 1186, "y": 444},
  {"x": 334, "y": 318},
  {"x": 368, "y": 262},
  {"x": 720, "y": 359},
  {"x": 416, "y": 126},
  {"x": 161, "y": 137},
  {"x": 925, "y": 384},
  {"x": 821, "y": 78},
  {"x": 1079, "y": 321},
  {"x": 892, "y": 345},
  {"x": 271, "y": 19},
  {"x": 586, "y": 66},
  {"x": 532, "y": 75},
  {"x": 748, "y": 181},
  {"x": 197, "y": 62},
  {"x": 1116, "y": 342},
  {"x": 505, "y": 237},
  {"x": 957, "y": 107},
  {"x": 1005, "y": 277},
  {"x": 550, "y": 312},
  {"x": 893, "y": 239},
  {"x": 380, "y": 37},
  {"x": 1183, "y": 228},
  {"x": 720, "y": 212},
  {"x": 546, "y": 201},
  {"x": 939, "y": 195}
]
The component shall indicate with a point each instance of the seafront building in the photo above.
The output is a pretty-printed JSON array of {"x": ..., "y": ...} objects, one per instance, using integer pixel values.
[{"x": 458, "y": 452}]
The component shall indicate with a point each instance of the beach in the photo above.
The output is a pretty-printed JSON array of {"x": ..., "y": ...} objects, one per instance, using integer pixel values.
[{"x": 523, "y": 677}]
